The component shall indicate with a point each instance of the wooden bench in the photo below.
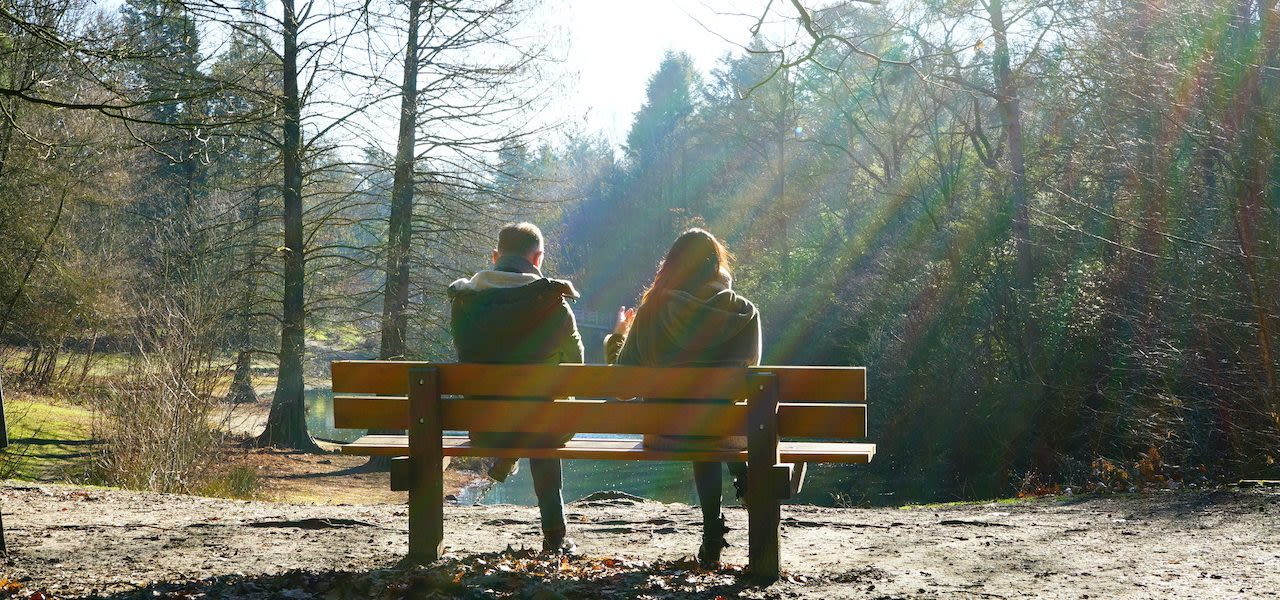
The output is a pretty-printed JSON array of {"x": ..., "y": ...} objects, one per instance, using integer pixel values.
[{"x": 790, "y": 416}]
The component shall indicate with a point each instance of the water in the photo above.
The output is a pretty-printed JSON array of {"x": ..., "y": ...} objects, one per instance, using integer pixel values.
[
  {"x": 320, "y": 418},
  {"x": 656, "y": 480}
]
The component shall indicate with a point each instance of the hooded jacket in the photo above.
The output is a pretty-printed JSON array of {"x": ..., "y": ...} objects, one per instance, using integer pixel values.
[
  {"x": 709, "y": 327},
  {"x": 512, "y": 314}
]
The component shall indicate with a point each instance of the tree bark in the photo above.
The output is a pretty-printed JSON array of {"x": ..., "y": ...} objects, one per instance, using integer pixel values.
[
  {"x": 287, "y": 424},
  {"x": 242, "y": 391},
  {"x": 4, "y": 443},
  {"x": 395, "y": 299},
  {"x": 1007, "y": 102},
  {"x": 242, "y": 382},
  {"x": 395, "y": 302},
  {"x": 1255, "y": 127}
]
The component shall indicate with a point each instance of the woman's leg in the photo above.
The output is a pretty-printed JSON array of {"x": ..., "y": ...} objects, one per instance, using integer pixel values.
[
  {"x": 739, "y": 472},
  {"x": 706, "y": 478}
]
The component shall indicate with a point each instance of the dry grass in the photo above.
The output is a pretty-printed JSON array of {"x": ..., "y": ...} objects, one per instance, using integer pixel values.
[{"x": 158, "y": 420}]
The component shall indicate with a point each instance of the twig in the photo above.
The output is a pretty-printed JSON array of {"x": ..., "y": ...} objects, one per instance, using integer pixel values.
[{"x": 974, "y": 523}]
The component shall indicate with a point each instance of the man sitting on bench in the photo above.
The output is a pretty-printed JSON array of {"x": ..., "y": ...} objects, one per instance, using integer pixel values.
[{"x": 512, "y": 314}]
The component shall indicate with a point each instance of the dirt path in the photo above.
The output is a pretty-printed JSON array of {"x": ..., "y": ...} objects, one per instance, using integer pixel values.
[
  {"x": 301, "y": 478},
  {"x": 75, "y": 542},
  {"x": 318, "y": 478}
]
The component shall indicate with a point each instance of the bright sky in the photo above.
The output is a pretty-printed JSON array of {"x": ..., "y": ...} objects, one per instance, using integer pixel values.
[
  {"x": 612, "y": 47},
  {"x": 616, "y": 45}
]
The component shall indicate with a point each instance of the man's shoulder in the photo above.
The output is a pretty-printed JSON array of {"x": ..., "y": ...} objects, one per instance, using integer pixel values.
[
  {"x": 531, "y": 293},
  {"x": 564, "y": 287}
]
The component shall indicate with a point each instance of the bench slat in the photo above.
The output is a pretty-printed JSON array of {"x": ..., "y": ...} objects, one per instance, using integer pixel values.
[
  {"x": 796, "y": 384},
  {"x": 824, "y": 421},
  {"x": 616, "y": 449}
]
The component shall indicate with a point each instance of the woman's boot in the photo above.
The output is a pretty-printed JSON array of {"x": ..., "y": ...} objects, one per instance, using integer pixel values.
[{"x": 712, "y": 543}]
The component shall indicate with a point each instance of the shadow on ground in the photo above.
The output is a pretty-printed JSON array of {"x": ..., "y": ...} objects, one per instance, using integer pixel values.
[
  {"x": 54, "y": 449},
  {"x": 508, "y": 574}
]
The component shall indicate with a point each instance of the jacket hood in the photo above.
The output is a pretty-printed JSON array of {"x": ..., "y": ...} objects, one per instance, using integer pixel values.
[
  {"x": 505, "y": 280},
  {"x": 709, "y": 321}
]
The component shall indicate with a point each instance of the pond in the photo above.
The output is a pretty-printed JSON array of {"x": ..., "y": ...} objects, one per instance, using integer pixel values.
[
  {"x": 320, "y": 418},
  {"x": 662, "y": 481}
]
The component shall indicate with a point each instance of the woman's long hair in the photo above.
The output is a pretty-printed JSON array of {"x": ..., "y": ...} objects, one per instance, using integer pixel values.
[{"x": 695, "y": 259}]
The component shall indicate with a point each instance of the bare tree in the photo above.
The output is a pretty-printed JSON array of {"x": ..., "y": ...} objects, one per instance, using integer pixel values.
[{"x": 469, "y": 73}]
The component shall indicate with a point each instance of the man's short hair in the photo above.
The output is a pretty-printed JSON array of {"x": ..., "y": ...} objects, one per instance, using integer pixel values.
[{"x": 519, "y": 239}]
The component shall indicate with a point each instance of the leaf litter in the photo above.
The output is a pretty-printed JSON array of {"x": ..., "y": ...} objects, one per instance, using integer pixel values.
[{"x": 512, "y": 573}]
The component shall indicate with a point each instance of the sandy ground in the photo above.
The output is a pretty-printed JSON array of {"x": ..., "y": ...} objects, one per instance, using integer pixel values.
[
  {"x": 301, "y": 478},
  {"x": 73, "y": 542},
  {"x": 320, "y": 478}
]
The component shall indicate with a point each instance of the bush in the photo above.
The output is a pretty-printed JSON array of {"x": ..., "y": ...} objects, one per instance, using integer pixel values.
[{"x": 156, "y": 421}]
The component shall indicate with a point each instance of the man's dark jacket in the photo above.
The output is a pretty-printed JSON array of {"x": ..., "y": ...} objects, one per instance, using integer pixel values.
[{"x": 512, "y": 314}]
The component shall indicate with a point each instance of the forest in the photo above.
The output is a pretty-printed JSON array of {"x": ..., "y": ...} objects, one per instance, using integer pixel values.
[{"x": 1048, "y": 228}]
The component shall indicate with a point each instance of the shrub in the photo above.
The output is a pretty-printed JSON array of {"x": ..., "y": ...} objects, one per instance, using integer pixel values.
[{"x": 156, "y": 421}]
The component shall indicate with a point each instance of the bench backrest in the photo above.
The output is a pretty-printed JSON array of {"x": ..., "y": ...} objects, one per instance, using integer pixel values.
[{"x": 814, "y": 402}]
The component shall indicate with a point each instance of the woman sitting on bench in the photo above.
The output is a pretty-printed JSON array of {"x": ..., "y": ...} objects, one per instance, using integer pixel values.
[{"x": 690, "y": 316}]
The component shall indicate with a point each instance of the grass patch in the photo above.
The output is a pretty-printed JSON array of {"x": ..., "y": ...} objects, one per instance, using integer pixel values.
[
  {"x": 339, "y": 335},
  {"x": 101, "y": 364},
  {"x": 48, "y": 440},
  {"x": 239, "y": 482}
]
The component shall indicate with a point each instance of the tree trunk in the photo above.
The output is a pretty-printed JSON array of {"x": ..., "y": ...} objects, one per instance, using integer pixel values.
[
  {"x": 242, "y": 391},
  {"x": 287, "y": 423},
  {"x": 1011, "y": 118},
  {"x": 4, "y": 443},
  {"x": 88, "y": 359},
  {"x": 1255, "y": 126},
  {"x": 242, "y": 382},
  {"x": 395, "y": 300}
]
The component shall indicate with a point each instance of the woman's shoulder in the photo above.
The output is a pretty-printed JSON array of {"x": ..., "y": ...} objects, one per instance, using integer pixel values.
[{"x": 731, "y": 301}]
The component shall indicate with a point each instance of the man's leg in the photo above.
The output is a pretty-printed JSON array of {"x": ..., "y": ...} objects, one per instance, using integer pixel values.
[
  {"x": 547, "y": 479},
  {"x": 706, "y": 478},
  {"x": 501, "y": 468}
]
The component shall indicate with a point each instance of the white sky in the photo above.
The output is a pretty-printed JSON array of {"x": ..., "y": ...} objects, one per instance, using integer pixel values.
[
  {"x": 612, "y": 47},
  {"x": 616, "y": 45}
]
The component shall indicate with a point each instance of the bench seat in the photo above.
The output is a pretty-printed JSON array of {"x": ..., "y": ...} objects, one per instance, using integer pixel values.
[{"x": 617, "y": 449}]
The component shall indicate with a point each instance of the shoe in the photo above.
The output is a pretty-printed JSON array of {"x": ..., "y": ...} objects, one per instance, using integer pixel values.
[
  {"x": 559, "y": 545},
  {"x": 502, "y": 468},
  {"x": 712, "y": 543}
]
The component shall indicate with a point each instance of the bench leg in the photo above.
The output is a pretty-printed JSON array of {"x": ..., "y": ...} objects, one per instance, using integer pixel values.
[
  {"x": 426, "y": 488},
  {"x": 764, "y": 522},
  {"x": 764, "y": 511}
]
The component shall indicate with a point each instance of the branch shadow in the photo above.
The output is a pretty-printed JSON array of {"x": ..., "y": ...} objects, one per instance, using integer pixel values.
[
  {"x": 34, "y": 441},
  {"x": 508, "y": 574}
]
